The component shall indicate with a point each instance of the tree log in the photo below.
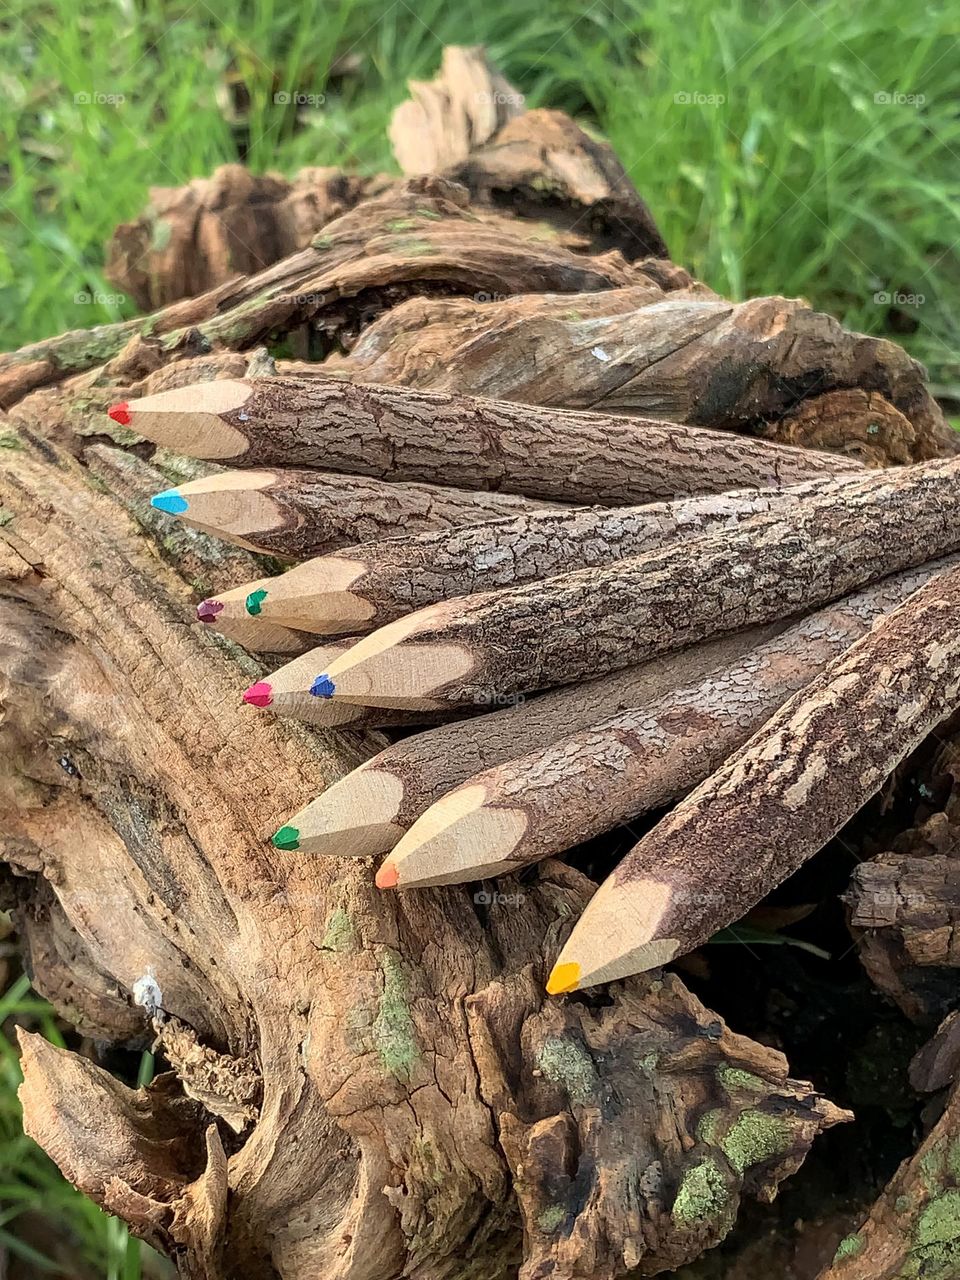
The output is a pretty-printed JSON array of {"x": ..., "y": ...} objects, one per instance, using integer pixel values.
[
  {"x": 444, "y": 1103},
  {"x": 683, "y": 356},
  {"x": 913, "y": 1231}
]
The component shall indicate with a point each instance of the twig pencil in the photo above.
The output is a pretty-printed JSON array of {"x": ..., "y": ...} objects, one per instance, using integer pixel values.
[
  {"x": 531, "y": 808},
  {"x": 369, "y": 810},
  {"x": 476, "y": 650},
  {"x": 370, "y": 585},
  {"x": 303, "y": 513},
  {"x": 777, "y": 800},
  {"x": 398, "y": 433},
  {"x": 244, "y": 629}
]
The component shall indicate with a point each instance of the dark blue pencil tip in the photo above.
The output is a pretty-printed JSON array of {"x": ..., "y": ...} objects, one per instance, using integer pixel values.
[
  {"x": 171, "y": 501},
  {"x": 323, "y": 687}
]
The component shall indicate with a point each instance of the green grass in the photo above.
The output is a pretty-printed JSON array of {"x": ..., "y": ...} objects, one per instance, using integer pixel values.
[
  {"x": 798, "y": 182},
  {"x": 30, "y": 1183}
]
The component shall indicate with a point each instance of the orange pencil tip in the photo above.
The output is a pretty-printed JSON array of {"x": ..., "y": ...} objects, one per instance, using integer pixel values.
[
  {"x": 563, "y": 978},
  {"x": 387, "y": 876}
]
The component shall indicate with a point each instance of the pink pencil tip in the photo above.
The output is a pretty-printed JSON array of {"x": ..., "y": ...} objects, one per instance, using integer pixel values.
[
  {"x": 259, "y": 694},
  {"x": 120, "y": 413},
  {"x": 207, "y": 610}
]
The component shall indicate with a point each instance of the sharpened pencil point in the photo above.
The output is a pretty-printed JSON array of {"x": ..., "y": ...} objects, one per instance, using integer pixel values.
[
  {"x": 286, "y": 838},
  {"x": 254, "y": 601},
  {"x": 563, "y": 978},
  {"x": 259, "y": 694},
  {"x": 207, "y": 610},
  {"x": 171, "y": 501},
  {"x": 323, "y": 687},
  {"x": 120, "y": 413},
  {"x": 387, "y": 876}
]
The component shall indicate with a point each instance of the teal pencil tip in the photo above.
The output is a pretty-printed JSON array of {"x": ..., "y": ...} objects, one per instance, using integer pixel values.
[
  {"x": 286, "y": 838},
  {"x": 171, "y": 501}
]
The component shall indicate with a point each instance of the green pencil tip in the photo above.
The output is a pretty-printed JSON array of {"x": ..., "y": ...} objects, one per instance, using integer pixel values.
[
  {"x": 286, "y": 838},
  {"x": 254, "y": 600}
]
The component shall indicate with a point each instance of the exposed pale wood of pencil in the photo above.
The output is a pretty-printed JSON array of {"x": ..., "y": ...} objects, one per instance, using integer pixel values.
[
  {"x": 780, "y": 797},
  {"x": 532, "y": 807},
  {"x": 476, "y": 649}
]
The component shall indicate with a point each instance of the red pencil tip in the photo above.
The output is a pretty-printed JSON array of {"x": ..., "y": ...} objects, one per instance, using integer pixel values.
[
  {"x": 259, "y": 694},
  {"x": 120, "y": 413},
  {"x": 387, "y": 876}
]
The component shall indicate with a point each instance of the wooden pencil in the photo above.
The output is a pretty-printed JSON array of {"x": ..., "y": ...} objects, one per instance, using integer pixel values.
[
  {"x": 303, "y": 513},
  {"x": 364, "y": 588},
  {"x": 476, "y": 650},
  {"x": 367, "y": 811},
  {"x": 529, "y": 808},
  {"x": 399, "y": 433},
  {"x": 244, "y": 628},
  {"x": 779, "y": 799}
]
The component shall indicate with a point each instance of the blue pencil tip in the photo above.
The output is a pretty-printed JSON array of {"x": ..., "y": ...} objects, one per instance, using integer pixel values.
[
  {"x": 171, "y": 501},
  {"x": 323, "y": 687}
]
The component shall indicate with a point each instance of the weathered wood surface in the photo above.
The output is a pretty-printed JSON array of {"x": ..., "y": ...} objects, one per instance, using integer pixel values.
[
  {"x": 770, "y": 366},
  {"x": 779, "y": 798},
  {"x": 476, "y": 650},
  {"x": 913, "y": 1231},
  {"x": 137, "y": 798}
]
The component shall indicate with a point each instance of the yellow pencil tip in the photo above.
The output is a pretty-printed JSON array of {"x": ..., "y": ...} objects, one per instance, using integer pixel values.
[{"x": 563, "y": 978}]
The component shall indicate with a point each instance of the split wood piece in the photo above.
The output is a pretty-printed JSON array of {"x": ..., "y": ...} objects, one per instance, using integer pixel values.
[
  {"x": 368, "y": 811},
  {"x": 779, "y": 798},
  {"x": 481, "y": 650},
  {"x": 686, "y": 357},
  {"x": 420, "y": 237},
  {"x": 192, "y": 238},
  {"x": 444, "y": 119},
  {"x": 913, "y": 1230},
  {"x": 381, "y": 581},
  {"x": 529, "y": 808},
  {"x": 304, "y": 513},
  {"x": 402, "y": 434},
  {"x": 911, "y": 905},
  {"x": 150, "y": 828}
]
